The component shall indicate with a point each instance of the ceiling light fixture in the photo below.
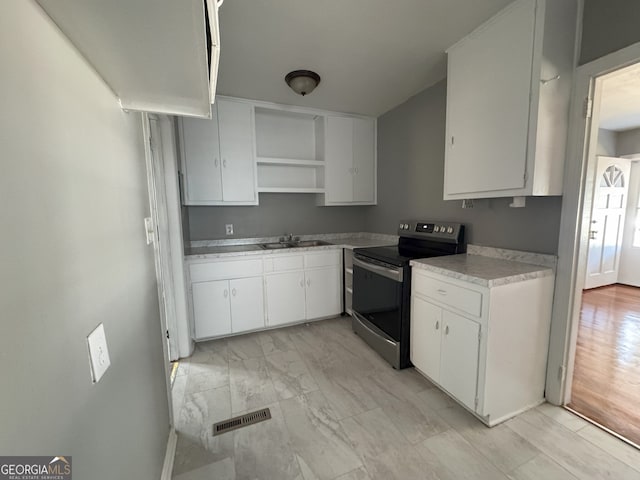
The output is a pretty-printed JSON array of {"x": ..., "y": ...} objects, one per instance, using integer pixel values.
[{"x": 303, "y": 82}]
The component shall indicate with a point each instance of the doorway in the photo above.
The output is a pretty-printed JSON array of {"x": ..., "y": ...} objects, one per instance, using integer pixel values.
[{"x": 605, "y": 374}]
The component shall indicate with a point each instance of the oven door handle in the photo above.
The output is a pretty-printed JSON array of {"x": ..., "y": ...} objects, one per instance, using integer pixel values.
[{"x": 391, "y": 273}]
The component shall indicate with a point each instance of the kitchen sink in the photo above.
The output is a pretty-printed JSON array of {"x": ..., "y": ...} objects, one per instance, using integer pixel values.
[
  {"x": 276, "y": 245},
  {"x": 310, "y": 243},
  {"x": 293, "y": 244}
]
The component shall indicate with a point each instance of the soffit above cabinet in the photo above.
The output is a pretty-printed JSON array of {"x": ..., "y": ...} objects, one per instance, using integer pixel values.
[{"x": 151, "y": 53}]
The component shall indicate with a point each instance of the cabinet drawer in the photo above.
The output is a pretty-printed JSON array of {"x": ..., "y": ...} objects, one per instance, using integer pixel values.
[
  {"x": 460, "y": 298},
  {"x": 327, "y": 258},
  {"x": 283, "y": 263},
  {"x": 203, "y": 272}
]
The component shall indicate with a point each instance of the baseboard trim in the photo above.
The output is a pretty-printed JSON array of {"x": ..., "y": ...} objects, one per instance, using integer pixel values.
[{"x": 170, "y": 455}]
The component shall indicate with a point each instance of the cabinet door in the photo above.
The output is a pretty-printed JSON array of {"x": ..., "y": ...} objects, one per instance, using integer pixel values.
[
  {"x": 323, "y": 292},
  {"x": 201, "y": 160},
  {"x": 339, "y": 169},
  {"x": 489, "y": 82},
  {"x": 459, "y": 357},
  {"x": 364, "y": 160},
  {"x": 285, "y": 298},
  {"x": 236, "y": 151},
  {"x": 426, "y": 328},
  {"x": 211, "y": 308},
  {"x": 247, "y": 304}
]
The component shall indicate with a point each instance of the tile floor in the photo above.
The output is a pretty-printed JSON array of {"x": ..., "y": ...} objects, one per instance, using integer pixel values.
[{"x": 340, "y": 412}]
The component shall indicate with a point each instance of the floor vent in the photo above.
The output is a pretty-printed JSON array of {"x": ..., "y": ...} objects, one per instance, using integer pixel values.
[{"x": 241, "y": 421}]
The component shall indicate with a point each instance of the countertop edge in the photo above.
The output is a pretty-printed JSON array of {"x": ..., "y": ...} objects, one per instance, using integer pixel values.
[{"x": 484, "y": 282}]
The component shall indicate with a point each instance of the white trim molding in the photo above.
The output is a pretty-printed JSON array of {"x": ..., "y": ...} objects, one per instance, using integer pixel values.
[{"x": 169, "y": 457}]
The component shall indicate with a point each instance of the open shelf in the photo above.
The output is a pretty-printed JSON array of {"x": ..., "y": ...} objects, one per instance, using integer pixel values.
[
  {"x": 289, "y": 190},
  {"x": 289, "y": 161}
]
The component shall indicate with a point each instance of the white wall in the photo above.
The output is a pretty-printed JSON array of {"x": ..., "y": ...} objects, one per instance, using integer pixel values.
[{"x": 72, "y": 200}]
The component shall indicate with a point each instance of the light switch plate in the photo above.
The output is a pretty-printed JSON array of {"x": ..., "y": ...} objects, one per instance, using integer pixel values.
[{"x": 98, "y": 353}]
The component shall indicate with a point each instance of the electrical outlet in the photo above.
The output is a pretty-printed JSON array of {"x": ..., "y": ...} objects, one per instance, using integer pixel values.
[
  {"x": 98, "y": 353},
  {"x": 229, "y": 228}
]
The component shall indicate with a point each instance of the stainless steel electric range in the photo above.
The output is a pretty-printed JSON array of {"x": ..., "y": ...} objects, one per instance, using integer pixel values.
[{"x": 382, "y": 285}]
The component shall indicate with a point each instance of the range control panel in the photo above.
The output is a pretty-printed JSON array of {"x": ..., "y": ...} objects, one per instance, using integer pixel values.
[{"x": 430, "y": 229}]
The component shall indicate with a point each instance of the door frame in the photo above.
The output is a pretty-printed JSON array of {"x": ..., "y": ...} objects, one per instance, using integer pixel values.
[{"x": 573, "y": 240}]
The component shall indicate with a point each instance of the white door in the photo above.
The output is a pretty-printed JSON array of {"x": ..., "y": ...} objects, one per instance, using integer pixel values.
[
  {"x": 490, "y": 155},
  {"x": 285, "y": 298},
  {"x": 236, "y": 151},
  {"x": 247, "y": 304},
  {"x": 211, "y": 309},
  {"x": 364, "y": 154},
  {"x": 201, "y": 160},
  {"x": 426, "y": 328},
  {"x": 323, "y": 292},
  {"x": 339, "y": 169},
  {"x": 459, "y": 357},
  {"x": 607, "y": 221}
]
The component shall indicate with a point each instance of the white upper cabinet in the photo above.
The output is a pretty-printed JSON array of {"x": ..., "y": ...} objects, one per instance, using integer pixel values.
[
  {"x": 153, "y": 54},
  {"x": 508, "y": 97},
  {"x": 218, "y": 163},
  {"x": 350, "y": 161}
]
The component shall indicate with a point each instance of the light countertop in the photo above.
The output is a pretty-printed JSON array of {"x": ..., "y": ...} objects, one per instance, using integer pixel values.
[
  {"x": 210, "y": 249},
  {"x": 482, "y": 270}
]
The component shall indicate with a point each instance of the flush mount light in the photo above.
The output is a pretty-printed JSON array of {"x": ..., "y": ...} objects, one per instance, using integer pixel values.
[{"x": 302, "y": 81}]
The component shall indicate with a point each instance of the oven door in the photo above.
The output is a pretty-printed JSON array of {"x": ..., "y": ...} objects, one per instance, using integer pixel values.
[{"x": 377, "y": 294}]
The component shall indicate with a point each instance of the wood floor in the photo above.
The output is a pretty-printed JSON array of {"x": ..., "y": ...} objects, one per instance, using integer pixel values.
[{"x": 606, "y": 381}]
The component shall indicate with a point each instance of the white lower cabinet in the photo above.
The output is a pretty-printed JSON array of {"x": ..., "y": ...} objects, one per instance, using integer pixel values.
[
  {"x": 486, "y": 347},
  {"x": 303, "y": 287},
  {"x": 234, "y": 295},
  {"x": 459, "y": 357},
  {"x": 247, "y": 304},
  {"x": 211, "y": 308},
  {"x": 323, "y": 290},
  {"x": 285, "y": 298},
  {"x": 444, "y": 347},
  {"x": 222, "y": 307}
]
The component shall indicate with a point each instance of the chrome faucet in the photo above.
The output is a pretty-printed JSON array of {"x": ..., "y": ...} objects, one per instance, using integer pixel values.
[{"x": 288, "y": 237}]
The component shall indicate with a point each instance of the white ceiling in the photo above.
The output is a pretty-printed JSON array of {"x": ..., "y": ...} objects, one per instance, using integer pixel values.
[
  {"x": 620, "y": 104},
  {"x": 371, "y": 54}
]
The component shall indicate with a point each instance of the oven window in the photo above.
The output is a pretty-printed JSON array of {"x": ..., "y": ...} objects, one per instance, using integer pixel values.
[{"x": 378, "y": 299}]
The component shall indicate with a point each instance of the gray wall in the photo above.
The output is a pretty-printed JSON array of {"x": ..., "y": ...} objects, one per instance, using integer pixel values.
[
  {"x": 628, "y": 143},
  {"x": 411, "y": 141},
  {"x": 277, "y": 214},
  {"x": 72, "y": 201},
  {"x": 607, "y": 142},
  {"x": 608, "y": 25}
]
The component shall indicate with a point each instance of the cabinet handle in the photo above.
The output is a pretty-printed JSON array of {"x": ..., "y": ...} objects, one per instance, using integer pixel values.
[
  {"x": 437, "y": 325},
  {"x": 215, "y": 162},
  {"x": 452, "y": 141},
  {"x": 355, "y": 170},
  {"x": 446, "y": 330},
  {"x": 226, "y": 293},
  {"x": 441, "y": 291},
  {"x": 224, "y": 163},
  {"x": 233, "y": 292},
  {"x": 308, "y": 282}
]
